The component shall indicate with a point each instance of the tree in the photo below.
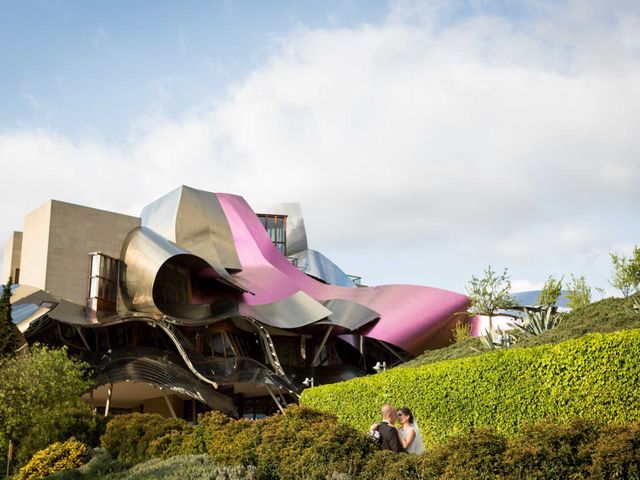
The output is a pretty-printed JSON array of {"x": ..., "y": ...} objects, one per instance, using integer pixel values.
[
  {"x": 40, "y": 399},
  {"x": 550, "y": 292},
  {"x": 490, "y": 294},
  {"x": 8, "y": 337},
  {"x": 578, "y": 292},
  {"x": 626, "y": 272}
]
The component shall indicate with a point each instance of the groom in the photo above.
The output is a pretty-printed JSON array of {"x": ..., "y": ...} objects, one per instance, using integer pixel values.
[{"x": 388, "y": 433}]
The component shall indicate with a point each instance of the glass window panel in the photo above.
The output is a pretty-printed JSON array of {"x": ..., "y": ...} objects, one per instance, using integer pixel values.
[
  {"x": 271, "y": 227},
  {"x": 279, "y": 229},
  {"x": 93, "y": 288},
  {"x": 95, "y": 265},
  {"x": 216, "y": 344}
]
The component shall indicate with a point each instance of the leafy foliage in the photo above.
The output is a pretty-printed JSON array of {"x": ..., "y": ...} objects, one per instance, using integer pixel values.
[
  {"x": 544, "y": 450},
  {"x": 604, "y": 316},
  {"x": 306, "y": 443},
  {"x": 550, "y": 292},
  {"x": 591, "y": 377},
  {"x": 38, "y": 393},
  {"x": 54, "y": 458},
  {"x": 578, "y": 292},
  {"x": 626, "y": 272},
  {"x": 8, "y": 337},
  {"x": 617, "y": 453},
  {"x": 134, "y": 437},
  {"x": 303, "y": 443},
  {"x": 490, "y": 293},
  {"x": 461, "y": 331},
  {"x": 549, "y": 450},
  {"x": 182, "y": 467}
]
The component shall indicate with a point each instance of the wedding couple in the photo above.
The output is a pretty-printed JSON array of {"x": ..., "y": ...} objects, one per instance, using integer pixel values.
[{"x": 405, "y": 439}]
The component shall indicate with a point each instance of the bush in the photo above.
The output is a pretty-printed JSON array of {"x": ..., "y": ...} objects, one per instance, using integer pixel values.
[
  {"x": 188, "y": 467},
  {"x": 305, "y": 443},
  {"x": 616, "y": 455},
  {"x": 37, "y": 392},
  {"x": 135, "y": 437},
  {"x": 54, "y": 458},
  {"x": 386, "y": 465},
  {"x": 184, "y": 467},
  {"x": 100, "y": 466},
  {"x": 218, "y": 435},
  {"x": 478, "y": 454},
  {"x": 68, "y": 420},
  {"x": 550, "y": 451},
  {"x": 592, "y": 377}
]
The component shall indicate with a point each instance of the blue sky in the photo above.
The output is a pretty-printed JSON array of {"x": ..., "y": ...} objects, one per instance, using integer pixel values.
[
  {"x": 89, "y": 68},
  {"x": 424, "y": 139}
]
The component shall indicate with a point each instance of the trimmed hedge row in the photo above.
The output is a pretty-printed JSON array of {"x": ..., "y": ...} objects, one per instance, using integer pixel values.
[{"x": 593, "y": 377}]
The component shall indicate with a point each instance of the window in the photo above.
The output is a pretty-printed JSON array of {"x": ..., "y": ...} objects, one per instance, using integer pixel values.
[
  {"x": 103, "y": 277},
  {"x": 276, "y": 227},
  {"x": 173, "y": 285}
]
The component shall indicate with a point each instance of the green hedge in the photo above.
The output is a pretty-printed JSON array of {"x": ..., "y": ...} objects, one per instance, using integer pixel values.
[{"x": 594, "y": 377}]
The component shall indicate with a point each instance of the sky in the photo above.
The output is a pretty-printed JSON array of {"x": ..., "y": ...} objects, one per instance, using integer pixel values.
[{"x": 425, "y": 140}]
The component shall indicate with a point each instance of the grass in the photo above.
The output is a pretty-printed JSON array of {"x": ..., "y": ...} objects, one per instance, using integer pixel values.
[{"x": 604, "y": 316}]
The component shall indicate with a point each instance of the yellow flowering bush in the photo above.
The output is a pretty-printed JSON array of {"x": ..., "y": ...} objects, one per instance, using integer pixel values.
[{"x": 56, "y": 457}]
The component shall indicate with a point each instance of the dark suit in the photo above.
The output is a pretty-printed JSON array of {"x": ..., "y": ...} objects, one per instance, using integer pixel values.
[{"x": 390, "y": 439}]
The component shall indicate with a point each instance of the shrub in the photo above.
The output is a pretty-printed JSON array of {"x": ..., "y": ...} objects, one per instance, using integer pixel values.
[
  {"x": 37, "y": 391},
  {"x": 101, "y": 465},
  {"x": 188, "y": 467},
  {"x": 592, "y": 377},
  {"x": 129, "y": 437},
  {"x": 305, "y": 443},
  {"x": 54, "y": 458},
  {"x": 386, "y": 465},
  {"x": 461, "y": 331},
  {"x": 616, "y": 455},
  {"x": 68, "y": 420},
  {"x": 550, "y": 451},
  {"x": 475, "y": 455},
  {"x": 218, "y": 435}
]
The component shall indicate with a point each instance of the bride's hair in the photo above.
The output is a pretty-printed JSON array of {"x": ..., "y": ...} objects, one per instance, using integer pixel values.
[{"x": 407, "y": 413}]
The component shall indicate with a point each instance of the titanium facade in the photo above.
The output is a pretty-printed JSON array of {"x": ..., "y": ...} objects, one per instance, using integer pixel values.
[{"x": 200, "y": 297}]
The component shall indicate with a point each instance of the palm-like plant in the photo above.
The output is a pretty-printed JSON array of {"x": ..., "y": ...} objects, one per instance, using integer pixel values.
[{"x": 537, "y": 322}]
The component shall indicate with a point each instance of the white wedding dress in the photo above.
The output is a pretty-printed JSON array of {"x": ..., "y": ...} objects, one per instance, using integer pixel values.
[{"x": 417, "y": 446}]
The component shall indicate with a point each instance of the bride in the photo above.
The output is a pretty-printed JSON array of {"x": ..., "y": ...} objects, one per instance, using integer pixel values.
[{"x": 410, "y": 435}]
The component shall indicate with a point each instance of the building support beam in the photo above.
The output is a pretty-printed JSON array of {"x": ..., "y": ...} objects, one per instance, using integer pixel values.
[
  {"x": 392, "y": 351},
  {"x": 84, "y": 340},
  {"x": 109, "y": 392},
  {"x": 321, "y": 346},
  {"x": 170, "y": 405},
  {"x": 274, "y": 398}
]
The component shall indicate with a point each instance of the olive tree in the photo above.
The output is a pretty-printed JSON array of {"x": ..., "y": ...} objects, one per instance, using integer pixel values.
[
  {"x": 626, "y": 272},
  {"x": 490, "y": 293},
  {"x": 550, "y": 292},
  {"x": 578, "y": 292}
]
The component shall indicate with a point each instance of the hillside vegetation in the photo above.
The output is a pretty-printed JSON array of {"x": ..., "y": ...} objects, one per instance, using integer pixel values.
[
  {"x": 592, "y": 377},
  {"x": 604, "y": 316}
]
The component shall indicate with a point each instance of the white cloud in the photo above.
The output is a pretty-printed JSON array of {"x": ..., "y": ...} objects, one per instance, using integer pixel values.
[
  {"x": 519, "y": 285},
  {"x": 512, "y": 141}
]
